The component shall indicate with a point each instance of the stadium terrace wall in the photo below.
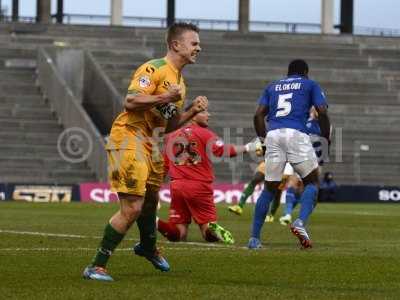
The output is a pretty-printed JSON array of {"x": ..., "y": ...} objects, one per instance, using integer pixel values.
[
  {"x": 223, "y": 193},
  {"x": 70, "y": 112}
]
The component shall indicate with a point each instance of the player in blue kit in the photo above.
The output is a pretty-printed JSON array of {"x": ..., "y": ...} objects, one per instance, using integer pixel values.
[
  {"x": 319, "y": 143},
  {"x": 284, "y": 106},
  {"x": 295, "y": 186}
]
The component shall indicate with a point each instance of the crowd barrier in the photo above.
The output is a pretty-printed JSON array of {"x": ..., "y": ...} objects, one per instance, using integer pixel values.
[{"x": 223, "y": 193}]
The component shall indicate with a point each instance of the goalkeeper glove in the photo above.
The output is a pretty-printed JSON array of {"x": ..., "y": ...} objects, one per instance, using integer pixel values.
[{"x": 257, "y": 146}]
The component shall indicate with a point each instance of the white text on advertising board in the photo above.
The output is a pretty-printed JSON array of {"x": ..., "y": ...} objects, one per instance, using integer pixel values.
[
  {"x": 42, "y": 193},
  {"x": 387, "y": 195}
]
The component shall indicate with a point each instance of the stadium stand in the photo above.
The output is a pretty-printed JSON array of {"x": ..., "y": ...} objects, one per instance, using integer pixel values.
[
  {"x": 30, "y": 128},
  {"x": 359, "y": 77}
]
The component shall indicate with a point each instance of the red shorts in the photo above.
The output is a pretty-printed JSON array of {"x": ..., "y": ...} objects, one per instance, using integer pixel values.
[{"x": 192, "y": 199}]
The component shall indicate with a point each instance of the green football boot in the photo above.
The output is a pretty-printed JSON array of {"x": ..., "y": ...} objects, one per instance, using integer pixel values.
[
  {"x": 236, "y": 209},
  {"x": 221, "y": 233}
]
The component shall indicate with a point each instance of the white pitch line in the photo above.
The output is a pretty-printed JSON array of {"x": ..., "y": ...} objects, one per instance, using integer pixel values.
[
  {"x": 77, "y": 236},
  {"x": 58, "y": 235},
  {"x": 45, "y": 249},
  {"x": 118, "y": 250}
]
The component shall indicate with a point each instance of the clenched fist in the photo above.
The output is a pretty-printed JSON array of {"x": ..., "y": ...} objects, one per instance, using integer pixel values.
[
  {"x": 200, "y": 104},
  {"x": 174, "y": 93}
]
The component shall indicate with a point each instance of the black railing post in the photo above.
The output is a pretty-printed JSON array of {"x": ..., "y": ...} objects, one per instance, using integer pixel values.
[
  {"x": 346, "y": 16},
  {"x": 244, "y": 15},
  {"x": 60, "y": 11},
  {"x": 15, "y": 10},
  {"x": 170, "y": 12}
]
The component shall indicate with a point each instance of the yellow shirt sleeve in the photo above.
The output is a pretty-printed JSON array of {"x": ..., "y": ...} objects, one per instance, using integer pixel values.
[{"x": 144, "y": 81}]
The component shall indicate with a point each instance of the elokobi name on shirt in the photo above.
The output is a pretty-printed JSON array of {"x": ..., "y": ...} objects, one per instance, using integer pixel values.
[{"x": 288, "y": 86}]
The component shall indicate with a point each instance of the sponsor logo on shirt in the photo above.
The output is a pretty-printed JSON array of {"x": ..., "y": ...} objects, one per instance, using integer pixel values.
[{"x": 150, "y": 69}]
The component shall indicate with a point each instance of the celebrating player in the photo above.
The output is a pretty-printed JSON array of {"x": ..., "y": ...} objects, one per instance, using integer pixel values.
[
  {"x": 189, "y": 152},
  {"x": 285, "y": 106},
  {"x": 152, "y": 105}
]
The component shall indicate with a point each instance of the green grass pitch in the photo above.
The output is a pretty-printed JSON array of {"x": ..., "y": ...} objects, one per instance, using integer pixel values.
[{"x": 356, "y": 255}]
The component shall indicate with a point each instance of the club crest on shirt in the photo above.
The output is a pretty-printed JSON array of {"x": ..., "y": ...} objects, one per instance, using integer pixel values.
[{"x": 144, "y": 81}]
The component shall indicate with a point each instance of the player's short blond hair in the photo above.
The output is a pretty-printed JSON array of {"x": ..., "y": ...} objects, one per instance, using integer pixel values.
[{"x": 177, "y": 29}]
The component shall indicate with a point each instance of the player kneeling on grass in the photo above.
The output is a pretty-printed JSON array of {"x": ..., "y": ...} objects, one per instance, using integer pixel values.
[{"x": 188, "y": 156}]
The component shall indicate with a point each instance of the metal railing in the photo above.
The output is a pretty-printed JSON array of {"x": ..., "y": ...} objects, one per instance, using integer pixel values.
[
  {"x": 70, "y": 112},
  {"x": 363, "y": 30},
  {"x": 212, "y": 24}
]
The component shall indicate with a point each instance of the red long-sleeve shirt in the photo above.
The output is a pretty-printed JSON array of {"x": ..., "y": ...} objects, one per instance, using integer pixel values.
[{"x": 189, "y": 150}]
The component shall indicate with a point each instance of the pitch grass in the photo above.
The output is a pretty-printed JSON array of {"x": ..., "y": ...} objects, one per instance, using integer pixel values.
[{"x": 356, "y": 256}]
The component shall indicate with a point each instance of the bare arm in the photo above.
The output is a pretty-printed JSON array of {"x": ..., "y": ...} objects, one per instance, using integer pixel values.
[
  {"x": 323, "y": 120},
  {"x": 178, "y": 120},
  {"x": 259, "y": 123},
  {"x": 145, "y": 102},
  {"x": 199, "y": 104}
]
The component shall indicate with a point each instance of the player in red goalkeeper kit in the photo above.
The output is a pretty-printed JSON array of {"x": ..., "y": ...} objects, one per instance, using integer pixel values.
[{"x": 188, "y": 155}]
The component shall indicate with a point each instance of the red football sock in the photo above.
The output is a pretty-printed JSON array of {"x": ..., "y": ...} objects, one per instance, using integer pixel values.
[
  {"x": 169, "y": 230},
  {"x": 210, "y": 237}
]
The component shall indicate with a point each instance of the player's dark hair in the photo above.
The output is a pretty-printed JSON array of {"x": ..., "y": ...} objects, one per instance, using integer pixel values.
[
  {"x": 298, "y": 67},
  {"x": 176, "y": 29}
]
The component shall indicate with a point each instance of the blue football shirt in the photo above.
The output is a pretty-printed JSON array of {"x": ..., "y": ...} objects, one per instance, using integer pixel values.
[
  {"x": 313, "y": 127},
  {"x": 289, "y": 101}
]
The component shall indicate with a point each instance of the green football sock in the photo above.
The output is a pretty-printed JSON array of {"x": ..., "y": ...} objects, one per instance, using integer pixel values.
[
  {"x": 275, "y": 205},
  {"x": 110, "y": 241},
  {"x": 147, "y": 230},
  {"x": 246, "y": 193}
]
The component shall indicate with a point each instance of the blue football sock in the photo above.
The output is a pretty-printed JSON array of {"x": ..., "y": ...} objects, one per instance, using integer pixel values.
[
  {"x": 308, "y": 200},
  {"x": 290, "y": 201},
  {"x": 260, "y": 212},
  {"x": 297, "y": 200}
]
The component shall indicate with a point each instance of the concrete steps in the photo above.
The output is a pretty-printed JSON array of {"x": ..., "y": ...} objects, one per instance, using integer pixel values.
[
  {"x": 26, "y": 113},
  {"x": 17, "y": 89},
  {"x": 29, "y": 127},
  {"x": 35, "y": 164},
  {"x": 30, "y": 137},
  {"x": 235, "y": 59},
  {"x": 14, "y": 175}
]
